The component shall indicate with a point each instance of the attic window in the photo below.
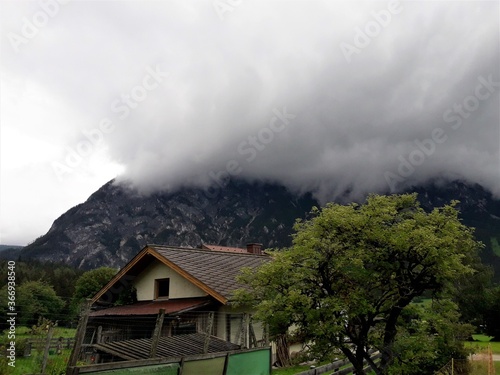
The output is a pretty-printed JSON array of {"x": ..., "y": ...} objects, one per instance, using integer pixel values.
[{"x": 162, "y": 288}]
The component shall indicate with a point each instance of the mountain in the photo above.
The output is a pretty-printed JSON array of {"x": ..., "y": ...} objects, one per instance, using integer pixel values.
[
  {"x": 9, "y": 247},
  {"x": 115, "y": 222},
  {"x": 10, "y": 251}
]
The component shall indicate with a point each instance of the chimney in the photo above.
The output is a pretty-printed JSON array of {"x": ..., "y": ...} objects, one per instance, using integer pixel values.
[{"x": 254, "y": 248}]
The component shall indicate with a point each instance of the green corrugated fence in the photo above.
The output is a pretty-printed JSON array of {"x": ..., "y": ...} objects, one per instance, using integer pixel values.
[
  {"x": 214, "y": 366},
  {"x": 170, "y": 369},
  {"x": 251, "y": 363},
  {"x": 242, "y": 362}
]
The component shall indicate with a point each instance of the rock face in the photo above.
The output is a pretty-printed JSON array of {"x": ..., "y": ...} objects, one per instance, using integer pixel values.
[{"x": 115, "y": 223}]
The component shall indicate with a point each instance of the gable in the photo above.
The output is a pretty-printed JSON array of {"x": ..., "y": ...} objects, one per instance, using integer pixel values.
[
  {"x": 180, "y": 287},
  {"x": 217, "y": 270},
  {"x": 213, "y": 272}
]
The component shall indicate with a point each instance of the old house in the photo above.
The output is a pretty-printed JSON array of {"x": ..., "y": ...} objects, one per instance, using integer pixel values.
[{"x": 192, "y": 286}]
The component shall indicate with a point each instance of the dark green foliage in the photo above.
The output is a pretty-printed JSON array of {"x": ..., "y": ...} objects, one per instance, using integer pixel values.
[
  {"x": 61, "y": 278},
  {"x": 353, "y": 270},
  {"x": 472, "y": 294},
  {"x": 428, "y": 336},
  {"x": 91, "y": 282},
  {"x": 127, "y": 296},
  {"x": 492, "y": 313},
  {"x": 36, "y": 299}
]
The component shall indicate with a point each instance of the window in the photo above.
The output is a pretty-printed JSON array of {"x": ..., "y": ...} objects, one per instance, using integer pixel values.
[{"x": 162, "y": 288}]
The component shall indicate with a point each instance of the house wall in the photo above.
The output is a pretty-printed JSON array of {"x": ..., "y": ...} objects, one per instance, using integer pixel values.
[
  {"x": 179, "y": 286},
  {"x": 235, "y": 317}
]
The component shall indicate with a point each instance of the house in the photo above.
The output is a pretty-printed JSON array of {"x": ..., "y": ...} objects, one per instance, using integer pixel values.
[{"x": 192, "y": 286}]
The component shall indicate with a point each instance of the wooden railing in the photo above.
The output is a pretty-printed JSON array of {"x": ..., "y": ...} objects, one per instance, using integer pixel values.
[{"x": 55, "y": 343}]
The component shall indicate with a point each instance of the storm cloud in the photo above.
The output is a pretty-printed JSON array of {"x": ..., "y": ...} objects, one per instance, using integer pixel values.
[{"x": 338, "y": 98}]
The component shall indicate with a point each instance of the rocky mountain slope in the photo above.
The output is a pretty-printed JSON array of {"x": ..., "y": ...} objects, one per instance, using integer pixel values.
[{"x": 115, "y": 223}]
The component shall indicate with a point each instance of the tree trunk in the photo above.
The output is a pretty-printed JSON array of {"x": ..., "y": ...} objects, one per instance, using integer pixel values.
[
  {"x": 282, "y": 351},
  {"x": 356, "y": 362},
  {"x": 390, "y": 332}
]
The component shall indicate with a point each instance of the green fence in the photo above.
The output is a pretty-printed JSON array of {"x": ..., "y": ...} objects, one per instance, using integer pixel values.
[
  {"x": 252, "y": 363},
  {"x": 169, "y": 369},
  {"x": 241, "y": 362}
]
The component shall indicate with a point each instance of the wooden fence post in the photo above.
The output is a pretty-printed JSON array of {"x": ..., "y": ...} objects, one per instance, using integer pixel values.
[
  {"x": 27, "y": 349},
  {"x": 47, "y": 347},
  {"x": 181, "y": 366},
  {"x": 239, "y": 332},
  {"x": 99, "y": 335},
  {"x": 265, "y": 334},
  {"x": 252, "y": 339},
  {"x": 59, "y": 345},
  {"x": 79, "y": 337},
  {"x": 157, "y": 333},
  {"x": 226, "y": 362},
  {"x": 208, "y": 332},
  {"x": 244, "y": 331}
]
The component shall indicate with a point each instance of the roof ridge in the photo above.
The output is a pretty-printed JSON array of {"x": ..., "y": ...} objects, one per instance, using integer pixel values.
[{"x": 208, "y": 251}]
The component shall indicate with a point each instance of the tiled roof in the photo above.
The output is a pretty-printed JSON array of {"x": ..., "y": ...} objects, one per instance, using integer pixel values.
[
  {"x": 153, "y": 307},
  {"x": 215, "y": 269},
  {"x": 174, "y": 346},
  {"x": 224, "y": 248}
]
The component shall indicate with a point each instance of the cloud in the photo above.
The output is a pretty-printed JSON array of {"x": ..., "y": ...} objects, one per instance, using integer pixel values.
[
  {"x": 366, "y": 84},
  {"x": 354, "y": 120}
]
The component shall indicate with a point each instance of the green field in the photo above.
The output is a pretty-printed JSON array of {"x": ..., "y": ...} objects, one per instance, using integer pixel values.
[
  {"x": 56, "y": 364},
  {"x": 289, "y": 370},
  {"x": 495, "y": 246},
  {"x": 481, "y": 342}
]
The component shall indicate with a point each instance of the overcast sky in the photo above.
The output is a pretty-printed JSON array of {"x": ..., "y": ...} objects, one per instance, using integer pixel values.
[{"x": 339, "y": 98}]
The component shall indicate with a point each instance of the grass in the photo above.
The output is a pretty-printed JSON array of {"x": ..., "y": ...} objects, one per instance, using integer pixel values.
[
  {"x": 423, "y": 302},
  {"x": 495, "y": 246},
  {"x": 24, "y": 332},
  {"x": 298, "y": 368},
  {"x": 56, "y": 364},
  {"x": 481, "y": 342},
  {"x": 290, "y": 370}
]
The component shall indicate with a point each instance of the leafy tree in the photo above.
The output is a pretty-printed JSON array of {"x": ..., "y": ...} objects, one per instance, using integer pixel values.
[
  {"x": 60, "y": 277},
  {"x": 492, "y": 323},
  {"x": 91, "y": 282},
  {"x": 353, "y": 270},
  {"x": 428, "y": 336},
  {"x": 473, "y": 295},
  {"x": 36, "y": 300}
]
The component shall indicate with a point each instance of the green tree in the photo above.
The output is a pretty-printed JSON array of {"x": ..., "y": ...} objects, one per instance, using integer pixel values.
[
  {"x": 473, "y": 295},
  {"x": 428, "y": 336},
  {"x": 91, "y": 282},
  {"x": 37, "y": 299},
  {"x": 352, "y": 271},
  {"x": 492, "y": 323}
]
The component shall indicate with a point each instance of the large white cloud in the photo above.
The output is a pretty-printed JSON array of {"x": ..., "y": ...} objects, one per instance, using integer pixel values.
[{"x": 184, "y": 93}]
